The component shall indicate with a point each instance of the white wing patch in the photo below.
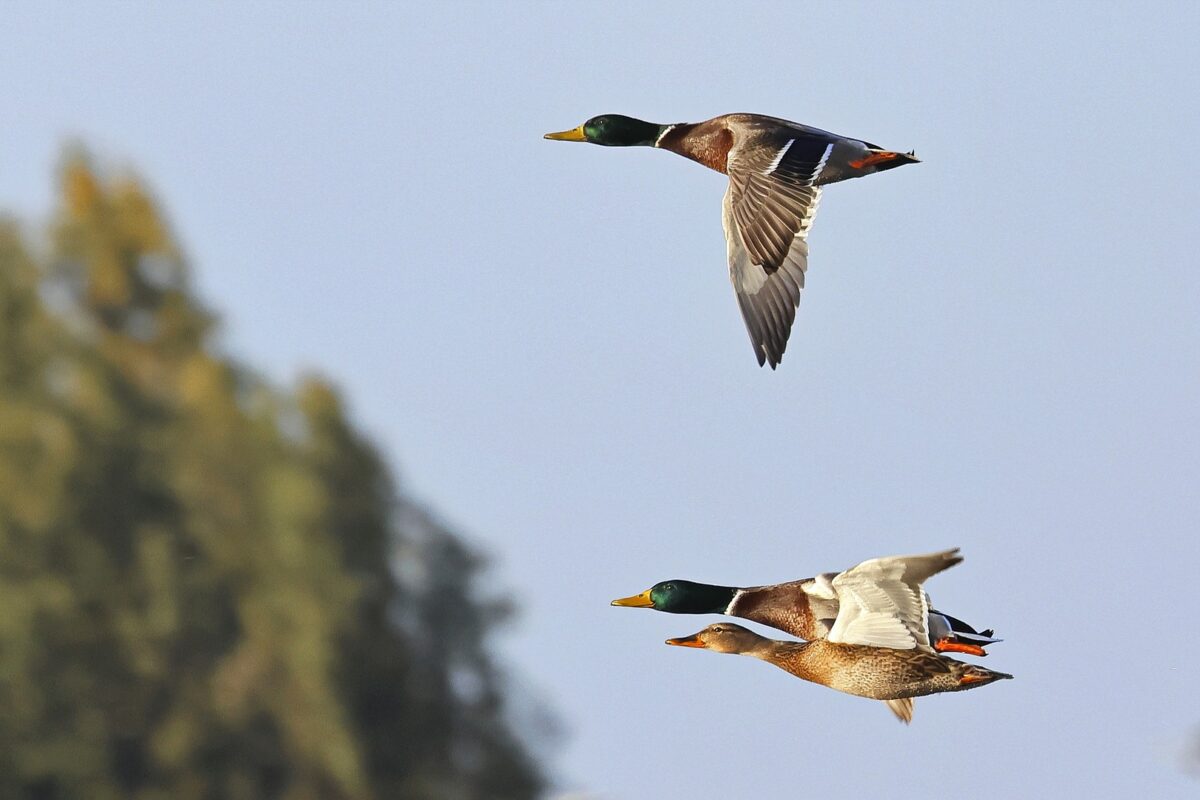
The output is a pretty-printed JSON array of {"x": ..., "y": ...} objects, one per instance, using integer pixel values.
[
  {"x": 783, "y": 152},
  {"x": 882, "y": 604},
  {"x": 873, "y": 628},
  {"x": 821, "y": 164},
  {"x": 822, "y": 586},
  {"x": 807, "y": 220}
]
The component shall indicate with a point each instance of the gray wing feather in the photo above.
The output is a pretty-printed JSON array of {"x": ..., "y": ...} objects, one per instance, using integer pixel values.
[
  {"x": 768, "y": 210},
  {"x": 768, "y": 300}
]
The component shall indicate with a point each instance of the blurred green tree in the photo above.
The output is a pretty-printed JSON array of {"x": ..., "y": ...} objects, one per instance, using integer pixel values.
[{"x": 212, "y": 588}]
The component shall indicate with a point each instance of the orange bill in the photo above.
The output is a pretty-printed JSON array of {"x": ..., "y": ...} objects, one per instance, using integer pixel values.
[{"x": 687, "y": 641}]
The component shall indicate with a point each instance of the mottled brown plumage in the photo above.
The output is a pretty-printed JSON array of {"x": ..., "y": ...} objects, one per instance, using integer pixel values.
[{"x": 879, "y": 673}]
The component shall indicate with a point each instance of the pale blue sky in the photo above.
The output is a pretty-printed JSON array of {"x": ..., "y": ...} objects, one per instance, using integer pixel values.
[{"x": 998, "y": 348}]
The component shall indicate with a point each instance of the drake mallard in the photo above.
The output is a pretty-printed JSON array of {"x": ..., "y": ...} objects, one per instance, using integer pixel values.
[
  {"x": 878, "y": 646},
  {"x": 776, "y": 169},
  {"x": 808, "y": 608}
]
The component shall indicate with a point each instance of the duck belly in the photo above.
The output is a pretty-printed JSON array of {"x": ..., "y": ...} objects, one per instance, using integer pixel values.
[{"x": 886, "y": 674}]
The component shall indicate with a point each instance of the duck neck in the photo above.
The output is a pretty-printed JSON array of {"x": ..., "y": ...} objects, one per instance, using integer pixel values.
[
  {"x": 631, "y": 132},
  {"x": 665, "y": 133},
  {"x": 768, "y": 650},
  {"x": 705, "y": 598},
  {"x": 798, "y": 658}
]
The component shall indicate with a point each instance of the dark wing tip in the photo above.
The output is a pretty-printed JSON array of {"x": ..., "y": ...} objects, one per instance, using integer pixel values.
[{"x": 773, "y": 357}]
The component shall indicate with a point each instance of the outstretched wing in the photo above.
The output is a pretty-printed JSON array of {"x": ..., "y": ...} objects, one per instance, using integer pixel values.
[
  {"x": 882, "y": 604},
  {"x": 768, "y": 210}
]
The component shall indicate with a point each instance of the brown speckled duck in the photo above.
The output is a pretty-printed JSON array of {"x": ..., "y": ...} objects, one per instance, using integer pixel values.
[
  {"x": 878, "y": 646},
  {"x": 808, "y": 608},
  {"x": 880, "y": 673},
  {"x": 776, "y": 169}
]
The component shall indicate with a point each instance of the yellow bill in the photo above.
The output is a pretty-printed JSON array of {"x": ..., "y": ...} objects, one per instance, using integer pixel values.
[
  {"x": 637, "y": 601},
  {"x": 573, "y": 135}
]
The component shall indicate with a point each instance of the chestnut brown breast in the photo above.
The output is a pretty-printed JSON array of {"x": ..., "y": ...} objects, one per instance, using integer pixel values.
[
  {"x": 783, "y": 606},
  {"x": 707, "y": 143}
]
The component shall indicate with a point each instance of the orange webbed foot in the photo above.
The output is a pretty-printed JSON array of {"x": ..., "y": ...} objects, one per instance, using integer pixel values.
[
  {"x": 972, "y": 677},
  {"x": 951, "y": 646},
  {"x": 874, "y": 158}
]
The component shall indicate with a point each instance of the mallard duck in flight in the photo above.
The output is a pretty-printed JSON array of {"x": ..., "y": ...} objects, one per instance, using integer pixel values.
[
  {"x": 776, "y": 169},
  {"x": 808, "y": 608},
  {"x": 880, "y": 673},
  {"x": 879, "y": 644}
]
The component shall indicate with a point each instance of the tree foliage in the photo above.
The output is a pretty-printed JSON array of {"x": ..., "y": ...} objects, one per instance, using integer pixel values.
[{"x": 212, "y": 588}]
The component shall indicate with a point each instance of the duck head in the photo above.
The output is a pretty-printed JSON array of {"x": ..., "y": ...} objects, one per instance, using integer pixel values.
[
  {"x": 724, "y": 637},
  {"x": 613, "y": 130},
  {"x": 682, "y": 597}
]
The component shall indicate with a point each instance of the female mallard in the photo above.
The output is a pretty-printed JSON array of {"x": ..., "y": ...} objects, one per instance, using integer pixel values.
[
  {"x": 776, "y": 169},
  {"x": 852, "y": 665},
  {"x": 808, "y": 608}
]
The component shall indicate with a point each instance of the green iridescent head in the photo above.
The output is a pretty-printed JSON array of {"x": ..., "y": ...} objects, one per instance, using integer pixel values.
[
  {"x": 613, "y": 130},
  {"x": 682, "y": 597}
]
